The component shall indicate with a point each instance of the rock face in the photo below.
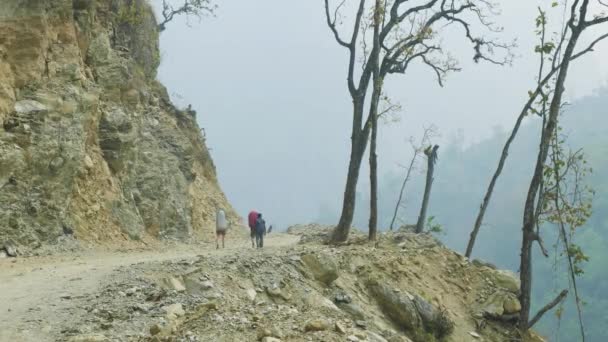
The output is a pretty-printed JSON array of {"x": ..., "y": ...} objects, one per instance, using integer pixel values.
[{"x": 89, "y": 140}]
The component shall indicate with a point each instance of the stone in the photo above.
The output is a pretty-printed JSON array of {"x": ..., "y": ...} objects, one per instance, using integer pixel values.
[
  {"x": 316, "y": 300},
  {"x": 10, "y": 248},
  {"x": 270, "y": 339},
  {"x": 474, "y": 334},
  {"x": 340, "y": 328},
  {"x": 511, "y": 305},
  {"x": 316, "y": 325},
  {"x": 322, "y": 267},
  {"x": 425, "y": 309},
  {"x": 506, "y": 280},
  {"x": 131, "y": 291},
  {"x": 361, "y": 324},
  {"x": 143, "y": 308},
  {"x": 277, "y": 293},
  {"x": 88, "y": 162},
  {"x": 89, "y": 338},
  {"x": 264, "y": 332},
  {"x": 155, "y": 329},
  {"x": 3, "y": 254},
  {"x": 207, "y": 285},
  {"x": 251, "y": 294},
  {"x": 174, "y": 311},
  {"x": 352, "y": 338},
  {"x": 29, "y": 107},
  {"x": 353, "y": 309},
  {"x": 493, "y": 306},
  {"x": 342, "y": 297},
  {"x": 397, "y": 306},
  {"x": 374, "y": 337},
  {"x": 177, "y": 284},
  {"x": 209, "y": 306}
]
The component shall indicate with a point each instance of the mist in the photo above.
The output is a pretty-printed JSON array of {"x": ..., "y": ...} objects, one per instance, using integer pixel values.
[{"x": 268, "y": 82}]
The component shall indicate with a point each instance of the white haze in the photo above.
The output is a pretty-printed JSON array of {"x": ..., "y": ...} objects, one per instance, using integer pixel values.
[{"x": 268, "y": 82}]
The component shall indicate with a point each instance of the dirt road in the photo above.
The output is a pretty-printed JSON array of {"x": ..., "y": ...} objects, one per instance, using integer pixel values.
[{"x": 39, "y": 295}]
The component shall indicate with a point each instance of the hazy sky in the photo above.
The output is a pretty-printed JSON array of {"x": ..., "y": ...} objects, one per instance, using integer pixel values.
[{"x": 268, "y": 82}]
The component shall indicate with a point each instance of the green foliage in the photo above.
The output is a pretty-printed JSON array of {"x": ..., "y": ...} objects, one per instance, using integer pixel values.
[
  {"x": 433, "y": 227},
  {"x": 130, "y": 14}
]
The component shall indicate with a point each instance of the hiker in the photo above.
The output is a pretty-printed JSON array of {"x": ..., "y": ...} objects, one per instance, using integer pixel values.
[
  {"x": 253, "y": 216},
  {"x": 270, "y": 229},
  {"x": 221, "y": 226},
  {"x": 260, "y": 231}
]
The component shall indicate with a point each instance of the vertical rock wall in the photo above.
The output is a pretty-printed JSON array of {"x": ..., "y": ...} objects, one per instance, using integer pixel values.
[{"x": 89, "y": 140}]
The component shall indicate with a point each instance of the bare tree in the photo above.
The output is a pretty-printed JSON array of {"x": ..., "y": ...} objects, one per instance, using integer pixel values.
[
  {"x": 188, "y": 8},
  {"x": 373, "y": 117},
  {"x": 404, "y": 33},
  {"x": 429, "y": 132},
  {"x": 431, "y": 158},
  {"x": 579, "y": 20}
]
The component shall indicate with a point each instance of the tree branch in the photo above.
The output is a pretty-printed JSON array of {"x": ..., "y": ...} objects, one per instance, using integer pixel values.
[
  {"x": 331, "y": 22},
  {"x": 547, "y": 307},
  {"x": 190, "y": 7}
]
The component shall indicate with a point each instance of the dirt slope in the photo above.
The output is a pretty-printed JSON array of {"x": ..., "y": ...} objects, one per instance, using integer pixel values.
[
  {"x": 407, "y": 288},
  {"x": 42, "y": 296}
]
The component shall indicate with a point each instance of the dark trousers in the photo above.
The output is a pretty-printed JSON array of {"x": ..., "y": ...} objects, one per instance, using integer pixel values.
[{"x": 259, "y": 239}]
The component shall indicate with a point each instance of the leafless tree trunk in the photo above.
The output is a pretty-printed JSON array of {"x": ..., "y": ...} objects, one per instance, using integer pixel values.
[
  {"x": 373, "y": 115},
  {"x": 431, "y": 155},
  {"x": 426, "y": 136}
]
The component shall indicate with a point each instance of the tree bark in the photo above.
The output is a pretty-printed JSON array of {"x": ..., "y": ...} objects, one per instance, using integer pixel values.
[
  {"x": 358, "y": 146},
  {"x": 373, "y": 116},
  {"x": 407, "y": 177},
  {"x": 431, "y": 154},
  {"x": 373, "y": 175},
  {"x": 490, "y": 190}
]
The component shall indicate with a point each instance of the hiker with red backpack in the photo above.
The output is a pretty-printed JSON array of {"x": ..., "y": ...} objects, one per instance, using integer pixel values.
[{"x": 252, "y": 218}]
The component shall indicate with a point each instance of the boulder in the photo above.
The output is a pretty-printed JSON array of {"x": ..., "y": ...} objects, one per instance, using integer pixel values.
[
  {"x": 511, "y": 305},
  {"x": 29, "y": 107},
  {"x": 499, "y": 304},
  {"x": 11, "y": 248},
  {"x": 322, "y": 267},
  {"x": 176, "y": 284},
  {"x": 316, "y": 325},
  {"x": 493, "y": 306},
  {"x": 411, "y": 311},
  {"x": 174, "y": 311},
  {"x": 506, "y": 280},
  {"x": 251, "y": 294},
  {"x": 399, "y": 307}
]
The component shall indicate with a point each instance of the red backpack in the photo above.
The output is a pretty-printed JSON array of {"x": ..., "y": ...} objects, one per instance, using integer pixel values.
[{"x": 253, "y": 216}]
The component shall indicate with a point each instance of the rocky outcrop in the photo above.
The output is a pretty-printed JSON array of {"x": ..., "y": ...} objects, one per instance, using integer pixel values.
[{"x": 90, "y": 143}]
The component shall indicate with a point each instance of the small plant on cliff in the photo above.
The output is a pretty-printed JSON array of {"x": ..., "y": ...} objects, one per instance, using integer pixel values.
[{"x": 433, "y": 227}]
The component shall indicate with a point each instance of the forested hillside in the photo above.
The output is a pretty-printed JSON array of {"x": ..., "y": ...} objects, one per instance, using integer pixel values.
[{"x": 462, "y": 175}]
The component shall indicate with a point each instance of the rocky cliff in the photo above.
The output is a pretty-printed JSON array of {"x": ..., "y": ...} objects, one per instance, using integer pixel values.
[{"x": 90, "y": 143}]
